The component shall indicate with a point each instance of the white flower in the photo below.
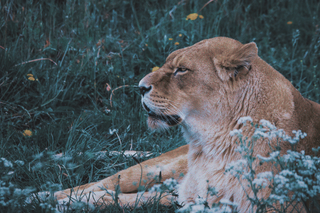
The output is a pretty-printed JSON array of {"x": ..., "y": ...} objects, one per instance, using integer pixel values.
[
  {"x": 155, "y": 188},
  {"x": 273, "y": 156},
  {"x": 111, "y": 131},
  {"x": 244, "y": 120},
  {"x": 6, "y": 163},
  {"x": 280, "y": 198},
  {"x": 19, "y": 162},
  {"x": 227, "y": 202},
  {"x": 309, "y": 164},
  {"x": 197, "y": 208},
  {"x": 260, "y": 182},
  {"x": 262, "y": 178},
  {"x": 200, "y": 200},
  {"x": 10, "y": 173},
  {"x": 267, "y": 175},
  {"x": 237, "y": 167},
  {"x": 236, "y": 132},
  {"x": 170, "y": 183},
  {"x": 259, "y": 133},
  {"x": 266, "y": 123}
]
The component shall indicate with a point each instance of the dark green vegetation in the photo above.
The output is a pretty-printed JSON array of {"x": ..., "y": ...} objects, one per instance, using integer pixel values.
[{"x": 98, "y": 46}]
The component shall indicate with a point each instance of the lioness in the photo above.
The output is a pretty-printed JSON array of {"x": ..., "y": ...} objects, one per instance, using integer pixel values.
[{"x": 206, "y": 88}]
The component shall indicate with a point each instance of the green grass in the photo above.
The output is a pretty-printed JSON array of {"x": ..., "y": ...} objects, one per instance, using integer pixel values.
[{"x": 95, "y": 43}]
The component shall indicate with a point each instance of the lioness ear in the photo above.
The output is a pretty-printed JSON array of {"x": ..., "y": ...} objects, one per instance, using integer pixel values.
[{"x": 237, "y": 62}]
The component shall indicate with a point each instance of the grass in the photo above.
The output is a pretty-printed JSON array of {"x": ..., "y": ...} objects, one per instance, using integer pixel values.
[{"x": 102, "y": 47}]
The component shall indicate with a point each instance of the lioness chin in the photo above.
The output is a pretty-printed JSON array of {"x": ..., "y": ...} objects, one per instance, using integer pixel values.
[{"x": 206, "y": 88}]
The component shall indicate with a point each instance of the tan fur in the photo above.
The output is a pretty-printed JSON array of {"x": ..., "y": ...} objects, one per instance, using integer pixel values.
[{"x": 224, "y": 80}]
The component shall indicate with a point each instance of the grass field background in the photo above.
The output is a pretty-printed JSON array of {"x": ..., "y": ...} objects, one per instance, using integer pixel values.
[{"x": 60, "y": 62}]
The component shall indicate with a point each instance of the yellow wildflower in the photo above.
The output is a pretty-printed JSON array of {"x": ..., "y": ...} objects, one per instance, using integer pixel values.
[
  {"x": 192, "y": 16},
  {"x": 146, "y": 45},
  {"x": 289, "y": 22},
  {"x": 27, "y": 132},
  {"x": 180, "y": 35},
  {"x": 201, "y": 16},
  {"x": 29, "y": 75},
  {"x": 31, "y": 78},
  {"x": 170, "y": 39},
  {"x": 177, "y": 43},
  {"x": 155, "y": 69}
]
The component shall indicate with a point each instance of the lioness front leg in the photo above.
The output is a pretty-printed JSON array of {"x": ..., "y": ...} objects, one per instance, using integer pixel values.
[{"x": 171, "y": 165}]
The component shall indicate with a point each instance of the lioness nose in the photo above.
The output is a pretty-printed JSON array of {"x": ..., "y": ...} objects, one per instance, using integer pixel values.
[{"x": 144, "y": 89}]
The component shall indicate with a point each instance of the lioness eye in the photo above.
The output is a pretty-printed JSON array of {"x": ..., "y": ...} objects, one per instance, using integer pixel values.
[{"x": 181, "y": 70}]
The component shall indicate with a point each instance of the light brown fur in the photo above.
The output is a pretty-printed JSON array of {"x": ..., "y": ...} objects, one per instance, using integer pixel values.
[{"x": 220, "y": 80}]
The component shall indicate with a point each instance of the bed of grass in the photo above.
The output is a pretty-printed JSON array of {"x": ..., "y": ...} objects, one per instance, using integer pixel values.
[{"x": 61, "y": 60}]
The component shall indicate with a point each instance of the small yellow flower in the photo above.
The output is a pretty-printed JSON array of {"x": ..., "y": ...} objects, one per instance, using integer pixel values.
[
  {"x": 31, "y": 78},
  {"x": 146, "y": 45},
  {"x": 180, "y": 35},
  {"x": 170, "y": 39},
  {"x": 177, "y": 43},
  {"x": 201, "y": 16},
  {"x": 192, "y": 16},
  {"x": 155, "y": 69},
  {"x": 289, "y": 22},
  {"x": 27, "y": 132},
  {"x": 29, "y": 75}
]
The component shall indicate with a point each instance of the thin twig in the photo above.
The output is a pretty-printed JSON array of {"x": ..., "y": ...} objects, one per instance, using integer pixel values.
[
  {"x": 112, "y": 92},
  {"x": 39, "y": 59},
  {"x": 65, "y": 52},
  {"x": 119, "y": 140},
  {"x": 171, "y": 11},
  {"x": 207, "y": 4},
  {"x": 2, "y": 47},
  {"x": 98, "y": 53},
  {"x": 96, "y": 62}
]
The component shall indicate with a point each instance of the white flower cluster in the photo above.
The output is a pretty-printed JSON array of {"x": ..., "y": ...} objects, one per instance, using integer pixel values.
[
  {"x": 273, "y": 156},
  {"x": 263, "y": 179},
  {"x": 269, "y": 131},
  {"x": 168, "y": 185},
  {"x": 12, "y": 196},
  {"x": 200, "y": 206},
  {"x": 236, "y": 132},
  {"x": 237, "y": 167},
  {"x": 244, "y": 120},
  {"x": 155, "y": 188},
  {"x": 299, "y": 175},
  {"x": 267, "y": 124},
  {"x": 6, "y": 163},
  {"x": 298, "y": 134}
]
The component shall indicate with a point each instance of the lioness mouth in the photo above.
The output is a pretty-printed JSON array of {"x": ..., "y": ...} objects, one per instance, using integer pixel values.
[{"x": 171, "y": 120}]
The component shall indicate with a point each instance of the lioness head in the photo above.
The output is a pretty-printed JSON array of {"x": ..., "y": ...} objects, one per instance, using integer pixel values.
[{"x": 195, "y": 79}]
